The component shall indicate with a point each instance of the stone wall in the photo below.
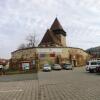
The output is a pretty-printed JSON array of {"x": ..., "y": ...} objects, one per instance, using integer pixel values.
[{"x": 76, "y": 56}]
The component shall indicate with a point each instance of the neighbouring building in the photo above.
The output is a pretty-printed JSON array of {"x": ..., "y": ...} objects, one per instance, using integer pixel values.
[
  {"x": 52, "y": 49},
  {"x": 4, "y": 62},
  {"x": 94, "y": 52}
]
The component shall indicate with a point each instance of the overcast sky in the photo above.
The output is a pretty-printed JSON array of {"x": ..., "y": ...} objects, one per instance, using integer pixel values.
[{"x": 18, "y": 18}]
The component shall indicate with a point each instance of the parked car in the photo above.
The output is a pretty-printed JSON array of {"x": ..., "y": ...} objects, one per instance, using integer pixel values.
[
  {"x": 98, "y": 67},
  {"x": 92, "y": 65},
  {"x": 56, "y": 67},
  {"x": 67, "y": 66},
  {"x": 47, "y": 67}
]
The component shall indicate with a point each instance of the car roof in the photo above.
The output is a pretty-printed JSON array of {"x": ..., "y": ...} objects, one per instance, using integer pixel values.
[
  {"x": 56, "y": 64},
  {"x": 94, "y": 61}
]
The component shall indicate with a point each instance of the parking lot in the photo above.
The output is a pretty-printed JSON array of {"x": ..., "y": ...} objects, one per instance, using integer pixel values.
[{"x": 74, "y": 84}]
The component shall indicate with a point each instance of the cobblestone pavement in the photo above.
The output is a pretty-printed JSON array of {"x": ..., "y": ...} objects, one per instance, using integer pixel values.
[
  {"x": 54, "y": 85},
  {"x": 18, "y": 77},
  {"x": 69, "y": 85}
]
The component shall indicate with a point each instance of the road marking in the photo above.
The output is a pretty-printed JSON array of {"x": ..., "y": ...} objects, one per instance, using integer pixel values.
[{"x": 20, "y": 90}]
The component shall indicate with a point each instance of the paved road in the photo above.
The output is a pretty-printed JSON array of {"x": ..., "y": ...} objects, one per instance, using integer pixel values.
[
  {"x": 55, "y": 85},
  {"x": 69, "y": 85},
  {"x": 18, "y": 77}
]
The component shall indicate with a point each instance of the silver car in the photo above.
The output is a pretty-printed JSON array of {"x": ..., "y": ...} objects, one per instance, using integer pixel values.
[
  {"x": 67, "y": 66},
  {"x": 56, "y": 67},
  {"x": 47, "y": 67}
]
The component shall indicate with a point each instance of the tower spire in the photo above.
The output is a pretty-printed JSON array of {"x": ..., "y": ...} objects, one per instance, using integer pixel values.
[{"x": 56, "y": 26}]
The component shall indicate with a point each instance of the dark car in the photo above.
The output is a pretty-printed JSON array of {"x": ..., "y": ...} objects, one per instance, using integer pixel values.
[{"x": 67, "y": 66}]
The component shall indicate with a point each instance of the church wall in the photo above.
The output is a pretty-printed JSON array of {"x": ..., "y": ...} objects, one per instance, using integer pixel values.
[
  {"x": 49, "y": 55},
  {"x": 63, "y": 40}
]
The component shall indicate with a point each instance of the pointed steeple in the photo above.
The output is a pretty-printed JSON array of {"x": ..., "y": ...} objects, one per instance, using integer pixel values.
[
  {"x": 49, "y": 38},
  {"x": 55, "y": 36},
  {"x": 57, "y": 28}
]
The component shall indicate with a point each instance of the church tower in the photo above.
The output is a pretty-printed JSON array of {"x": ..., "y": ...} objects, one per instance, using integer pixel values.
[
  {"x": 55, "y": 36},
  {"x": 59, "y": 32}
]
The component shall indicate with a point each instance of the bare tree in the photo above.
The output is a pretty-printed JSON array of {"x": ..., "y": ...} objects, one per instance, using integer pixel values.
[{"x": 32, "y": 40}]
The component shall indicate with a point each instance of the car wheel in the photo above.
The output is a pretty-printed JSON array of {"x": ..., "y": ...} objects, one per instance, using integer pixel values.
[
  {"x": 91, "y": 71},
  {"x": 94, "y": 70}
]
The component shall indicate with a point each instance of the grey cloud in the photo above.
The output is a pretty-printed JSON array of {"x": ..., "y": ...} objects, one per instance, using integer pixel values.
[{"x": 18, "y": 18}]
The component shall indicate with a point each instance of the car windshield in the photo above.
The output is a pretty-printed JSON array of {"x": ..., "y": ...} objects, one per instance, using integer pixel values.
[
  {"x": 46, "y": 65},
  {"x": 98, "y": 62},
  {"x": 94, "y": 63},
  {"x": 67, "y": 64},
  {"x": 56, "y": 64}
]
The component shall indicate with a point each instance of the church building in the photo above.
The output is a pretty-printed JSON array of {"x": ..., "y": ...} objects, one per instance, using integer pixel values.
[
  {"x": 52, "y": 49},
  {"x": 55, "y": 36}
]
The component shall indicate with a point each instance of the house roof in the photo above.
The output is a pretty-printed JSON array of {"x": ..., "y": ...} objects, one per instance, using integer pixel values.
[
  {"x": 57, "y": 27},
  {"x": 50, "y": 38}
]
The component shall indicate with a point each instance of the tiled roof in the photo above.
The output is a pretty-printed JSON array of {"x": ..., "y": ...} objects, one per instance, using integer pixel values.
[
  {"x": 56, "y": 25},
  {"x": 52, "y": 36},
  {"x": 49, "y": 38}
]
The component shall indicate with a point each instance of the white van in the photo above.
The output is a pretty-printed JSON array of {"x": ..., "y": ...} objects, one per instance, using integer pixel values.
[{"x": 91, "y": 65}]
